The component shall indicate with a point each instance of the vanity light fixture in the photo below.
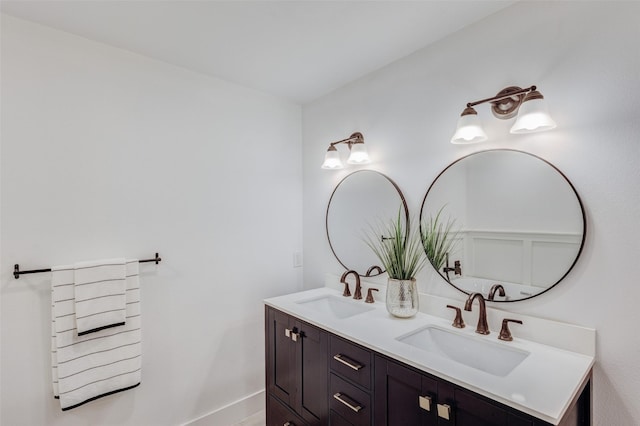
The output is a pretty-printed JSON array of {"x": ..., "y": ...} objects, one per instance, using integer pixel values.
[
  {"x": 358, "y": 152},
  {"x": 528, "y": 103}
]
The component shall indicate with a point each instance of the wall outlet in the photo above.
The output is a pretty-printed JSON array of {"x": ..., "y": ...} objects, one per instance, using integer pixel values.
[{"x": 297, "y": 259}]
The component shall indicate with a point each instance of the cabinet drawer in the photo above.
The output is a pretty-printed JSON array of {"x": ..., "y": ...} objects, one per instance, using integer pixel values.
[
  {"x": 336, "y": 419},
  {"x": 350, "y": 402},
  {"x": 281, "y": 415},
  {"x": 351, "y": 361}
]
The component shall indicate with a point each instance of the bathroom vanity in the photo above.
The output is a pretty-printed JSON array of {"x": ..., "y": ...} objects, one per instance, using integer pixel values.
[
  {"x": 334, "y": 360},
  {"x": 520, "y": 227}
]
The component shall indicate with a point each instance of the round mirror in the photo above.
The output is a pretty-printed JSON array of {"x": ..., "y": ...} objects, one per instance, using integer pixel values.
[
  {"x": 360, "y": 200},
  {"x": 502, "y": 217}
]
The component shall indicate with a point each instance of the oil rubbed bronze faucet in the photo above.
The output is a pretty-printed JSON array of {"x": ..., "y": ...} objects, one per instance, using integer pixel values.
[
  {"x": 343, "y": 279},
  {"x": 492, "y": 292},
  {"x": 483, "y": 327},
  {"x": 375, "y": 268}
]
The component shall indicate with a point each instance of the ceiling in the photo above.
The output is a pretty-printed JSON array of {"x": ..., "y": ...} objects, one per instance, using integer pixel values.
[{"x": 299, "y": 50}]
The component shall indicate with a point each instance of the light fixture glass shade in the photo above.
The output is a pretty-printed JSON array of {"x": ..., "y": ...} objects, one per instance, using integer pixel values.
[
  {"x": 469, "y": 129},
  {"x": 358, "y": 154},
  {"x": 533, "y": 116},
  {"x": 332, "y": 159}
]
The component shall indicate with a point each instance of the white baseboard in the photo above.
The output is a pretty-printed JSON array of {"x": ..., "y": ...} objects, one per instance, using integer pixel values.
[{"x": 233, "y": 413}]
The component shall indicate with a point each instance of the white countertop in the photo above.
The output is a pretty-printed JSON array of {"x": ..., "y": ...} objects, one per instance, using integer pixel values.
[{"x": 543, "y": 385}]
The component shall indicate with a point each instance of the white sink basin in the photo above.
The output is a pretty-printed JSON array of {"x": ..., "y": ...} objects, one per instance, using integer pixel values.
[
  {"x": 472, "y": 351},
  {"x": 335, "y": 306}
]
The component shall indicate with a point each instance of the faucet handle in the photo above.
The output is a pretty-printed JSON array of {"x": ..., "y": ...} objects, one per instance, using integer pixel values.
[
  {"x": 347, "y": 292},
  {"x": 458, "y": 322},
  {"x": 505, "y": 333},
  {"x": 457, "y": 268},
  {"x": 369, "y": 298}
]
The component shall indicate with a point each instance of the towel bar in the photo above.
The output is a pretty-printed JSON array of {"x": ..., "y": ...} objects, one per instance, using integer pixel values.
[{"x": 17, "y": 272}]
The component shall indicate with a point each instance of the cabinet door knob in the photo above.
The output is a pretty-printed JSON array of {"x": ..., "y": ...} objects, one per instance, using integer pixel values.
[
  {"x": 347, "y": 361},
  {"x": 292, "y": 334},
  {"x": 351, "y": 404},
  {"x": 425, "y": 403},
  {"x": 289, "y": 424},
  {"x": 444, "y": 411}
]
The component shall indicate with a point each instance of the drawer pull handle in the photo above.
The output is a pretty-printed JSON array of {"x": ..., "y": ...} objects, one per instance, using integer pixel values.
[
  {"x": 425, "y": 403},
  {"x": 351, "y": 404},
  {"x": 444, "y": 411},
  {"x": 289, "y": 424},
  {"x": 348, "y": 362}
]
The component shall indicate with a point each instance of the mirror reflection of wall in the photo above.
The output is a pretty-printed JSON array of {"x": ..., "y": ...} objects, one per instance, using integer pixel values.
[
  {"x": 361, "y": 199},
  {"x": 520, "y": 221}
]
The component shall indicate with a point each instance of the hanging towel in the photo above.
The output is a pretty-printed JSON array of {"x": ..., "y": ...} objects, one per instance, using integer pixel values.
[
  {"x": 99, "y": 294},
  {"x": 88, "y": 367}
]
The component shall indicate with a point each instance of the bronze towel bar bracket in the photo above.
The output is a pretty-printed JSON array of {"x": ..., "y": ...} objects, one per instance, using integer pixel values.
[{"x": 17, "y": 272}]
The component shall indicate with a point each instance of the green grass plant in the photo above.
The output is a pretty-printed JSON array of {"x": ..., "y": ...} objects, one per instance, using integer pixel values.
[
  {"x": 438, "y": 238},
  {"x": 399, "y": 250}
]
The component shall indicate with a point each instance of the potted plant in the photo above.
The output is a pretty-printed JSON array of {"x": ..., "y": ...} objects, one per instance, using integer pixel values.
[{"x": 401, "y": 253}]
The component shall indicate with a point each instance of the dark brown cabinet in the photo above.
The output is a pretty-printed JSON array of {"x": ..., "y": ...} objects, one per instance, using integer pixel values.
[
  {"x": 296, "y": 368},
  {"x": 317, "y": 378},
  {"x": 407, "y": 396}
]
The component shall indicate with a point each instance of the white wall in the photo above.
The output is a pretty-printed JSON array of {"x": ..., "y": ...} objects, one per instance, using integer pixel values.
[
  {"x": 106, "y": 153},
  {"x": 584, "y": 57}
]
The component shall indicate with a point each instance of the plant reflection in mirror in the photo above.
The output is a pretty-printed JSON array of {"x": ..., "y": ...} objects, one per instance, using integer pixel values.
[
  {"x": 438, "y": 238},
  {"x": 399, "y": 250}
]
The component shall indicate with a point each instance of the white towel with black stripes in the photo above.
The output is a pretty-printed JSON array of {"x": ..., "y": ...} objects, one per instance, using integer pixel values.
[
  {"x": 88, "y": 367},
  {"x": 99, "y": 288}
]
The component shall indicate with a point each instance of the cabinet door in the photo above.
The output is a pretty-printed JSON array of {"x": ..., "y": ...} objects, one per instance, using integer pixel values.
[
  {"x": 472, "y": 410},
  {"x": 281, "y": 360},
  {"x": 403, "y": 396},
  {"x": 280, "y": 415},
  {"x": 311, "y": 398}
]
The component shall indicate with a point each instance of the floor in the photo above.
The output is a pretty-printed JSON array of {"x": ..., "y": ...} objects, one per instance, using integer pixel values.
[{"x": 258, "y": 419}]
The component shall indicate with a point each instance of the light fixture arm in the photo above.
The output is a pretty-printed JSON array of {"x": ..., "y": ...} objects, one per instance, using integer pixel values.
[
  {"x": 504, "y": 94},
  {"x": 353, "y": 139}
]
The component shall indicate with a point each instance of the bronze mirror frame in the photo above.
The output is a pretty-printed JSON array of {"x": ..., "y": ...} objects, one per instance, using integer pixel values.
[
  {"x": 573, "y": 189},
  {"x": 370, "y": 272}
]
